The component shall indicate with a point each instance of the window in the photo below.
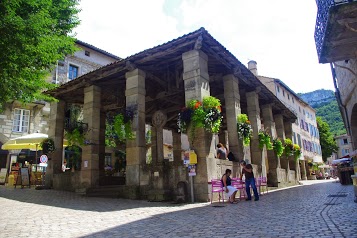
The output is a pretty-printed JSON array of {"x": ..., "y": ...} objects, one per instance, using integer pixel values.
[
  {"x": 288, "y": 97},
  {"x": 108, "y": 159},
  {"x": 299, "y": 140},
  {"x": 299, "y": 109},
  {"x": 87, "y": 53},
  {"x": 345, "y": 142},
  {"x": 345, "y": 152},
  {"x": 283, "y": 93},
  {"x": 72, "y": 72},
  {"x": 293, "y": 100},
  {"x": 277, "y": 87},
  {"x": 21, "y": 120},
  {"x": 294, "y": 138}
]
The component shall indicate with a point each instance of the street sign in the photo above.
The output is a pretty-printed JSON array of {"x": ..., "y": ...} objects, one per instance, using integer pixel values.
[
  {"x": 43, "y": 164},
  {"x": 43, "y": 159}
]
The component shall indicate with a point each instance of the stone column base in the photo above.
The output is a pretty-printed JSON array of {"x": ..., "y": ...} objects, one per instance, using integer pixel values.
[
  {"x": 159, "y": 195},
  {"x": 201, "y": 192},
  {"x": 273, "y": 177}
]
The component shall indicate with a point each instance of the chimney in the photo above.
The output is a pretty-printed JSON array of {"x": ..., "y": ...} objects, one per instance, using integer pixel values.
[{"x": 252, "y": 66}]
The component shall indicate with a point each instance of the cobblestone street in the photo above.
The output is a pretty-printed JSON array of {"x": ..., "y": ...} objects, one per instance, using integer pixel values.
[{"x": 302, "y": 211}]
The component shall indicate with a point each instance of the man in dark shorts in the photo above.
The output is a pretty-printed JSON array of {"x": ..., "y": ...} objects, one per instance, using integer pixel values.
[{"x": 247, "y": 170}]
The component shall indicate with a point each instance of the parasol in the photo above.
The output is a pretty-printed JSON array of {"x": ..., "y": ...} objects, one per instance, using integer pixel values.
[{"x": 30, "y": 141}]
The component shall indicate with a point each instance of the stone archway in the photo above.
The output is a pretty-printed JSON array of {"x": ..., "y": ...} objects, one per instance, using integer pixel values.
[{"x": 354, "y": 126}]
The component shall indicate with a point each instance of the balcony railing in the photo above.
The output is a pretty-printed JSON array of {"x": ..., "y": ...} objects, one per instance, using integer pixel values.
[{"x": 323, "y": 8}]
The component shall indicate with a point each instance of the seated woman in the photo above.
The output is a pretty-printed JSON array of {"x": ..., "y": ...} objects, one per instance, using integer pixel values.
[
  {"x": 229, "y": 189},
  {"x": 221, "y": 151}
]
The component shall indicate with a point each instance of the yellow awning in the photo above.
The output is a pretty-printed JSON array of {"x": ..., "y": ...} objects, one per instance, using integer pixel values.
[{"x": 30, "y": 141}]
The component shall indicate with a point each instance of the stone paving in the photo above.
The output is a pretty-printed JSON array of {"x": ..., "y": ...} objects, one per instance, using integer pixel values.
[{"x": 302, "y": 211}]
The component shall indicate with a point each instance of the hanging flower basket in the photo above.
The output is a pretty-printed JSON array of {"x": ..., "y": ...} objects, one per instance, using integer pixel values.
[
  {"x": 122, "y": 124},
  {"x": 244, "y": 129},
  {"x": 288, "y": 148},
  {"x": 205, "y": 114},
  {"x": 48, "y": 146},
  {"x": 264, "y": 139},
  {"x": 296, "y": 151},
  {"x": 278, "y": 147}
]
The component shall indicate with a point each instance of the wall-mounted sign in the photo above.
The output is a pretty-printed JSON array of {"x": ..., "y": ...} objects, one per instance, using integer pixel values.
[
  {"x": 193, "y": 157},
  {"x": 191, "y": 170},
  {"x": 186, "y": 157}
]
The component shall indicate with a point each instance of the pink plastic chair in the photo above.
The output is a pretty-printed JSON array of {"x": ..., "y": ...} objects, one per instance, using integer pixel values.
[
  {"x": 217, "y": 187},
  {"x": 262, "y": 182},
  {"x": 239, "y": 185}
]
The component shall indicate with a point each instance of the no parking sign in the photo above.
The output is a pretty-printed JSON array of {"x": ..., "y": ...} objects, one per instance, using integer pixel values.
[{"x": 43, "y": 159}]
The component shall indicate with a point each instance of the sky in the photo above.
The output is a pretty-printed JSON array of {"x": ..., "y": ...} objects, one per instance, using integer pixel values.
[{"x": 277, "y": 34}]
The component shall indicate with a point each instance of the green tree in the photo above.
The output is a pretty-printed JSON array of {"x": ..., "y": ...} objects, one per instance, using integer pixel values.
[
  {"x": 34, "y": 34},
  {"x": 328, "y": 144},
  {"x": 331, "y": 114}
]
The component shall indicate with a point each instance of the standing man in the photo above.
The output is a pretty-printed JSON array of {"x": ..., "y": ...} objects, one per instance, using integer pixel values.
[{"x": 247, "y": 170}]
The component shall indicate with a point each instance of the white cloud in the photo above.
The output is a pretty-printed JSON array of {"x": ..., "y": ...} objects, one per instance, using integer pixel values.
[{"x": 277, "y": 34}]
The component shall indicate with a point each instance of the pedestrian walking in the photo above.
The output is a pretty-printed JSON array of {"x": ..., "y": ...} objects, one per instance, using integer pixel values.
[{"x": 247, "y": 171}]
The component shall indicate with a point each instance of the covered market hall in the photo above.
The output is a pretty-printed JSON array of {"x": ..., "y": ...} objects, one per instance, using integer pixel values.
[{"x": 155, "y": 85}]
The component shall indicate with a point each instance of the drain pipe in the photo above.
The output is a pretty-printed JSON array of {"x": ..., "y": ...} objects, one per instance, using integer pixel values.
[{"x": 342, "y": 107}]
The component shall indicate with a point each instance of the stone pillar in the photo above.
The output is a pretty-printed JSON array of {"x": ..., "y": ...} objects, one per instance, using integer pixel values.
[
  {"x": 279, "y": 125},
  {"x": 56, "y": 131},
  {"x": 303, "y": 170},
  {"x": 89, "y": 175},
  {"x": 232, "y": 105},
  {"x": 280, "y": 131},
  {"x": 195, "y": 75},
  {"x": 196, "y": 81},
  {"x": 136, "y": 148},
  {"x": 254, "y": 118},
  {"x": 179, "y": 171},
  {"x": 159, "y": 174},
  {"x": 154, "y": 155},
  {"x": 288, "y": 127},
  {"x": 273, "y": 160},
  {"x": 102, "y": 144}
]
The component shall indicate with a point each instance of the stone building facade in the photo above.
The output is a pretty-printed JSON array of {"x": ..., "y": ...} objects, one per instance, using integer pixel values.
[
  {"x": 336, "y": 43},
  {"x": 305, "y": 132},
  {"x": 18, "y": 119},
  {"x": 344, "y": 144},
  {"x": 156, "y": 84}
]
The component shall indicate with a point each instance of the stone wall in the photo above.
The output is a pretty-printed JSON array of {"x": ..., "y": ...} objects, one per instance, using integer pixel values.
[
  {"x": 346, "y": 72},
  {"x": 39, "y": 115}
]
